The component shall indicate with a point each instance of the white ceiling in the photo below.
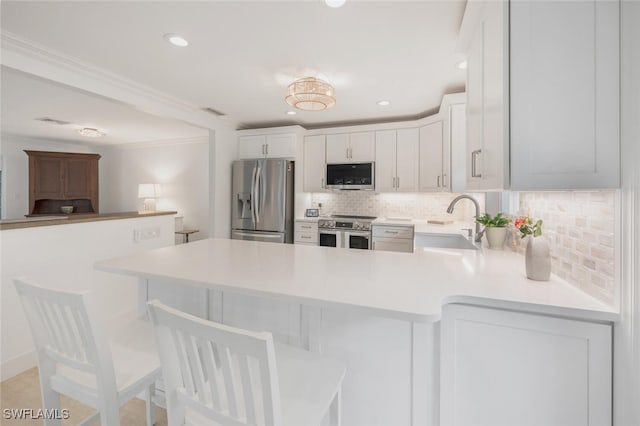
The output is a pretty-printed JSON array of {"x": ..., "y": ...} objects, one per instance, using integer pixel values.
[
  {"x": 26, "y": 98},
  {"x": 243, "y": 54}
]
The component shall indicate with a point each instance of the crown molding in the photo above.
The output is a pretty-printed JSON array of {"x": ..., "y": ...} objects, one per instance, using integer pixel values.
[
  {"x": 159, "y": 143},
  {"x": 39, "y": 60}
]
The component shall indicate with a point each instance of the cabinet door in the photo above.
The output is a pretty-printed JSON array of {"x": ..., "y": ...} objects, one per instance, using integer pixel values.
[
  {"x": 495, "y": 140},
  {"x": 509, "y": 368},
  {"x": 48, "y": 175},
  {"x": 314, "y": 163},
  {"x": 431, "y": 157},
  {"x": 252, "y": 147},
  {"x": 362, "y": 147},
  {"x": 474, "y": 110},
  {"x": 404, "y": 246},
  {"x": 565, "y": 95},
  {"x": 281, "y": 146},
  {"x": 454, "y": 161},
  {"x": 407, "y": 159},
  {"x": 338, "y": 148},
  {"x": 78, "y": 182},
  {"x": 385, "y": 161}
]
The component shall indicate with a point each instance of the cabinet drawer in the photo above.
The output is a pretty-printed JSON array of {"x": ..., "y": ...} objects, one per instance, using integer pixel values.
[
  {"x": 310, "y": 227},
  {"x": 306, "y": 237},
  {"x": 393, "y": 232},
  {"x": 392, "y": 244}
]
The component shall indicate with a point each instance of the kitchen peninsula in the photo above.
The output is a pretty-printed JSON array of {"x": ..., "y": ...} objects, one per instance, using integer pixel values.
[{"x": 401, "y": 321}]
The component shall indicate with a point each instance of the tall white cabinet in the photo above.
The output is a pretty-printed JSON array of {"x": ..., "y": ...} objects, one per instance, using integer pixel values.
[
  {"x": 396, "y": 166},
  {"x": 314, "y": 163},
  {"x": 565, "y": 94},
  {"x": 431, "y": 157}
]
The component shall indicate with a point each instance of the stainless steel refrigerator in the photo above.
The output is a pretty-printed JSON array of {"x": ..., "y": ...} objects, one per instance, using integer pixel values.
[{"x": 262, "y": 200}]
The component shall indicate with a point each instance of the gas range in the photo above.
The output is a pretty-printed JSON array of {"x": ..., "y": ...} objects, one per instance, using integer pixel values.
[{"x": 343, "y": 221}]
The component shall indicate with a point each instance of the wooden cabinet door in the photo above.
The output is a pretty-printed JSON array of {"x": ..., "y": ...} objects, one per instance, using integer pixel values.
[
  {"x": 48, "y": 177},
  {"x": 385, "y": 167},
  {"x": 511, "y": 368},
  {"x": 431, "y": 157},
  {"x": 252, "y": 147},
  {"x": 362, "y": 147},
  {"x": 407, "y": 160},
  {"x": 314, "y": 163},
  {"x": 78, "y": 178},
  {"x": 338, "y": 148},
  {"x": 565, "y": 95}
]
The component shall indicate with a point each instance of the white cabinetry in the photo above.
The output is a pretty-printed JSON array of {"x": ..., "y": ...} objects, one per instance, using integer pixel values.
[
  {"x": 509, "y": 368},
  {"x": 268, "y": 146},
  {"x": 487, "y": 83},
  {"x": 396, "y": 154},
  {"x": 392, "y": 237},
  {"x": 314, "y": 163},
  {"x": 351, "y": 147},
  {"x": 306, "y": 233},
  {"x": 431, "y": 158},
  {"x": 565, "y": 95}
]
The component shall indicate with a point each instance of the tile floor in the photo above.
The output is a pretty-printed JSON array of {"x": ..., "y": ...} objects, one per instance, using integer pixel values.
[{"x": 23, "y": 391}]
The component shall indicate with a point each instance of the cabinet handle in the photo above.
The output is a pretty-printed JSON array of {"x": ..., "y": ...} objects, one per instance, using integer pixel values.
[
  {"x": 474, "y": 158},
  {"x": 346, "y": 153},
  {"x": 444, "y": 180},
  {"x": 305, "y": 226},
  {"x": 322, "y": 183},
  {"x": 391, "y": 232},
  {"x": 266, "y": 149},
  {"x": 262, "y": 149},
  {"x": 397, "y": 181},
  {"x": 438, "y": 181},
  {"x": 350, "y": 153},
  {"x": 394, "y": 181},
  {"x": 305, "y": 237}
]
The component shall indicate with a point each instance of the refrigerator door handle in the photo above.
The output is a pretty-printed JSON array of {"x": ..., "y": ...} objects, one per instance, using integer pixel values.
[
  {"x": 253, "y": 197},
  {"x": 257, "y": 192}
]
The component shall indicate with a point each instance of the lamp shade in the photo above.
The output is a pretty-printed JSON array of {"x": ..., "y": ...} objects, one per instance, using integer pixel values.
[
  {"x": 310, "y": 94},
  {"x": 148, "y": 190}
]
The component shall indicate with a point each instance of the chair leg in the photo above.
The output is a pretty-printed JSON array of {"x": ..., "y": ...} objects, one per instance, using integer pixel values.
[
  {"x": 50, "y": 398},
  {"x": 335, "y": 410},
  {"x": 150, "y": 406}
]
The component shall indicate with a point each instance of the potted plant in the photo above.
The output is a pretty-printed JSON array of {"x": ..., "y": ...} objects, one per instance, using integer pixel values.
[
  {"x": 537, "y": 254},
  {"x": 495, "y": 229}
]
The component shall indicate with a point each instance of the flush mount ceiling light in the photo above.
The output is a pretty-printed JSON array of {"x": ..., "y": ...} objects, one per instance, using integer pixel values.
[
  {"x": 334, "y": 3},
  {"x": 90, "y": 133},
  {"x": 176, "y": 40},
  {"x": 310, "y": 94},
  {"x": 383, "y": 103}
]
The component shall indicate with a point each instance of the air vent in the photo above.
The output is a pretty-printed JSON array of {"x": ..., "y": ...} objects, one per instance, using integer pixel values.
[
  {"x": 52, "y": 121},
  {"x": 213, "y": 112}
]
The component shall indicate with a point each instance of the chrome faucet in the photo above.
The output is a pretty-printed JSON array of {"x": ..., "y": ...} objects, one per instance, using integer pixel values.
[{"x": 460, "y": 197}]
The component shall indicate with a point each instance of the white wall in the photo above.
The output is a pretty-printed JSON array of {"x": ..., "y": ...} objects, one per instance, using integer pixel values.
[
  {"x": 62, "y": 257},
  {"x": 627, "y": 331},
  {"x": 15, "y": 169},
  {"x": 181, "y": 167},
  {"x": 223, "y": 143}
]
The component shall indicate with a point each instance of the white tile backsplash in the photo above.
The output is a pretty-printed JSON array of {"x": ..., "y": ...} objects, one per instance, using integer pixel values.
[
  {"x": 419, "y": 206},
  {"x": 581, "y": 230}
]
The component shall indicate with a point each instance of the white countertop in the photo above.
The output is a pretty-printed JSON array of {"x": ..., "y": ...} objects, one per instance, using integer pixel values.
[{"x": 398, "y": 285}]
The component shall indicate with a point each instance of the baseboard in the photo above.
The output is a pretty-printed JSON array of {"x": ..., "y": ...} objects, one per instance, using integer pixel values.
[{"x": 17, "y": 365}]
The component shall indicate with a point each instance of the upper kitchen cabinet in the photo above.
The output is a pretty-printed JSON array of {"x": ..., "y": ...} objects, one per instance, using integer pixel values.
[
  {"x": 314, "y": 163},
  {"x": 396, "y": 166},
  {"x": 543, "y": 94},
  {"x": 484, "y": 33},
  {"x": 267, "y": 146},
  {"x": 351, "y": 147},
  {"x": 431, "y": 157},
  {"x": 565, "y": 95},
  {"x": 62, "y": 179}
]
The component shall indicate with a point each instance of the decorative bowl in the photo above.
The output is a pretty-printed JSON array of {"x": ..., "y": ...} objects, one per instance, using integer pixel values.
[{"x": 66, "y": 209}]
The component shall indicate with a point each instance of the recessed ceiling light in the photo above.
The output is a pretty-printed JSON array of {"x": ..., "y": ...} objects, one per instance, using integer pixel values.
[
  {"x": 176, "y": 40},
  {"x": 462, "y": 65},
  {"x": 383, "y": 103},
  {"x": 90, "y": 133},
  {"x": 334, "y": 3},
  {"x": 291, "y": 113}
]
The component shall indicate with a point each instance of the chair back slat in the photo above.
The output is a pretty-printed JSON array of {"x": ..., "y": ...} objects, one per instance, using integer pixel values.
[{"x": 232, "y": 372}]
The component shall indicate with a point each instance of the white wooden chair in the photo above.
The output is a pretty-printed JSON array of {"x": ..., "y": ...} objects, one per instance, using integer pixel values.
[
  {"x": 220, "y": 375},
  {"x": 76, "y": 359}
]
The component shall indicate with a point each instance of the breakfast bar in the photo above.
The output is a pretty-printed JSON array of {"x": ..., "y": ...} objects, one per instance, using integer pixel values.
[{"x": 367, "y": 309}]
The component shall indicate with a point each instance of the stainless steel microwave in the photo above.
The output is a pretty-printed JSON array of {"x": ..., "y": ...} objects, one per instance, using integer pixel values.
[{"x": 348, "y": 176}]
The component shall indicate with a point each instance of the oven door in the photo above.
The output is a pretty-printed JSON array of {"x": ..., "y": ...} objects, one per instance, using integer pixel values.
[
  {"x": 330, "y": 238},
  {"x": 357, "y": 240}
]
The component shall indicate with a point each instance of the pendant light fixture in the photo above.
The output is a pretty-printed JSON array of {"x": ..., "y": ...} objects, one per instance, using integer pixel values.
[{"x": 311, "y": 94}]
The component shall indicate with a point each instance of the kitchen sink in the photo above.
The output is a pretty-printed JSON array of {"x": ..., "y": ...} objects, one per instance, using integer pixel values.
[{"x": 452, "y": 241}]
